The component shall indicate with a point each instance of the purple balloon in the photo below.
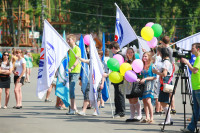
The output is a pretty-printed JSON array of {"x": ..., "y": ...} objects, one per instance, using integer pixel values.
[
  {"x": 130, "y": 76},
  {"x": 137, "y": 65},
  {"x": 149, "y": 24},
  {"x": 119, "y": 58},
  {"x": 153, "y": 42}
]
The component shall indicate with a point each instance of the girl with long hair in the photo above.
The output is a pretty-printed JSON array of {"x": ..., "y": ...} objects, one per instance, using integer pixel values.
[
  {"x": 133, "y": 101},
  {"x": 19, "y": 75},
  {"x": 5, "y": 71},
  {"x": 148, "y": 94}
]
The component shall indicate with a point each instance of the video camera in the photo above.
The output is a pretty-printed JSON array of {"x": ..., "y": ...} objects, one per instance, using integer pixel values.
[{"x": 181, "y": 53}]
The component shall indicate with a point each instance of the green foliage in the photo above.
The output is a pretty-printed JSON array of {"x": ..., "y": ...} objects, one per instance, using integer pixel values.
[{"x": 36, "y": 59}]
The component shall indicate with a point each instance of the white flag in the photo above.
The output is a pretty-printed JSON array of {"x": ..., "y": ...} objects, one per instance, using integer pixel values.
[
  {"x": 96, "y": 71},
  {"x": 142, "y": 44},
  {"x": 53, "y": 50},
  {"x": 124, "y": 33},
  {"x": 187, "y": 42}
]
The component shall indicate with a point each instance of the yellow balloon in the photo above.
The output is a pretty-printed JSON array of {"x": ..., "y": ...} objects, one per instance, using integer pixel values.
[
  {"x": 124, "y": 67},
  {"x": 147, "y": 33},
  {"x": 115, "y": 77}
]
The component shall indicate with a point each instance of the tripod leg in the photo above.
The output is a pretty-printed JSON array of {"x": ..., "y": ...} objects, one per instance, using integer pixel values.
[{"x": 175, "y": 85}]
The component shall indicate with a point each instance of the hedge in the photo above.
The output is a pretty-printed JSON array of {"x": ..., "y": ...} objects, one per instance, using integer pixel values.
[{"x": 36, "y": 59}]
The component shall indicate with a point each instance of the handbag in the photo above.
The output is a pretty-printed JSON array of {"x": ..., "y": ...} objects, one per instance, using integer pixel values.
[
  {"x": 137, "y": 89},
  {"x": 167, "y": 88}
]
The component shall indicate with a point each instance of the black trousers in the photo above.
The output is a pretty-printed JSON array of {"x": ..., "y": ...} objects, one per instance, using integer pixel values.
[{"x": 119, "y": 101}]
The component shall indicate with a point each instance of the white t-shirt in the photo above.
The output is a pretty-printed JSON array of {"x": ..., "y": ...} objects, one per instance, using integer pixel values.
[
  {"x": 167, "y": 65},
  {"x": 19, "y": 67},
  {"x": 5, "y": 67}
]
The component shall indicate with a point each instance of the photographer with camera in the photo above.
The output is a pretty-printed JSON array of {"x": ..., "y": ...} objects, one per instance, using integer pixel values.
[{"x": 195, "y": 79}]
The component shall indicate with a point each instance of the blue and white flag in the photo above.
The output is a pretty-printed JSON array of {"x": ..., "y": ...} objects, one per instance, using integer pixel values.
[
  {"x": 62, "y": 84},
  {"x": 96, "y": 72},
  {"x": 124, "y": 33},
  {"x": 85, "y": 66},
  {"x": 54, "y": 49},
  {"x": 105, "y": 94}
]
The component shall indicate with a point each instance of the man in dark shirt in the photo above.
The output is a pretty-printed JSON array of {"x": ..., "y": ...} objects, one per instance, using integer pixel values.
[{"x": 118, "y": 96}]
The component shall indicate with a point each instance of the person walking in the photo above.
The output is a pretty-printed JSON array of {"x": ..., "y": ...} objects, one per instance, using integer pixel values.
[
  {"x": 19, "y": 76},
  {"x": 5, "y": 71},
  {"x": 74, "y": 71}
]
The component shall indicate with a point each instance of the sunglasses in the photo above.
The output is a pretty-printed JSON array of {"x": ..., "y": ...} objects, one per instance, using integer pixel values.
[{"x": 6, "y": 54}]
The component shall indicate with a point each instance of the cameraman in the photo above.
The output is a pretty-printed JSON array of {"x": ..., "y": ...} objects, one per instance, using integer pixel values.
[{"x": 195, "y": 79}]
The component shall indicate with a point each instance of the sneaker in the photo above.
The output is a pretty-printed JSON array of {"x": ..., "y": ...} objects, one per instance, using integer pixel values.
[
  {"x": 139, "y": 118},
  {"x": 81, "y": 113},
  {"x": 95, "y": 113},
  {"x": 116, "y": 116},
  {"x": 185, "y": 130},
  {"x": 47, "y": 100},
  {"x": 5, "y": 107},
  {"x": 71, "y": 112}
]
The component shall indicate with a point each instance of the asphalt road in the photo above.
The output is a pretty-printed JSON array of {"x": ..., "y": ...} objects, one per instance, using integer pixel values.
[{"x": 36, "y": 116}]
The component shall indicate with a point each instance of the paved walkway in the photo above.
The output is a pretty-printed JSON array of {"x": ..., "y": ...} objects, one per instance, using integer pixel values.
[{"x": 40, "y": 117}]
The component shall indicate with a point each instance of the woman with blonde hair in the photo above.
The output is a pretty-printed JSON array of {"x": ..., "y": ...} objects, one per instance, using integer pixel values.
[
  {"x": 19, "y": 75},
  {"x": 148, "y": 94}
]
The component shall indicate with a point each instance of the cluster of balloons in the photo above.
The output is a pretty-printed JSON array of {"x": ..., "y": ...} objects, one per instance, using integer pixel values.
[
  {"x": 150, "y": 32},
  {"x": 117, "y": 64}
]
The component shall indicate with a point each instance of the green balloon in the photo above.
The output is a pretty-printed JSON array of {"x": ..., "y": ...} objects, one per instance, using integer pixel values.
[
  {"x": 157, "y": 28},
  {"x": 113, "y": 64}
]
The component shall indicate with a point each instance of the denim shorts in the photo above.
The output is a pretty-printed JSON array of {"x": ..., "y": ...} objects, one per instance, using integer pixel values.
[
  {"x": 87, "y": 92},
  {"x": 73, "y": 78}
]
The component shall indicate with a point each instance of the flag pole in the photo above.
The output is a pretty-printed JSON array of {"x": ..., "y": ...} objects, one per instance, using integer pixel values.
[{"x": 110, "y": 101}]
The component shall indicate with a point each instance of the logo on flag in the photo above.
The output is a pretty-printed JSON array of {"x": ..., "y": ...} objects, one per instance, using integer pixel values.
[
  {"x": 51, "y": 59},
  {"x": 119, "y": 34}
]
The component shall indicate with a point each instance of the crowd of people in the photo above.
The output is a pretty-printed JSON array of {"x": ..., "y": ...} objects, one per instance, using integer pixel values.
[{"x": 157, "y": 71}]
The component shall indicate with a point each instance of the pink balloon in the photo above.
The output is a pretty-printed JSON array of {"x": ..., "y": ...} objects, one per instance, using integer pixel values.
[
  {"x": 149, "y": 24},
  {"x": 153, "y": 42},
  {"x": 130, "y": 76},
  {"x": 119, "y": 58},
  {"x": 137, "y": 65},
  {"x": 86, "y": 39}
]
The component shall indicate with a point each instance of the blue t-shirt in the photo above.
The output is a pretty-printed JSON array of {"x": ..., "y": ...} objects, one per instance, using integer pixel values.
[{"x": 192, "y": 60}]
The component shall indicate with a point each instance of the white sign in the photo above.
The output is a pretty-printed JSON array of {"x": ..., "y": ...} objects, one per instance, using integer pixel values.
[{"x": 36, "y": 35}]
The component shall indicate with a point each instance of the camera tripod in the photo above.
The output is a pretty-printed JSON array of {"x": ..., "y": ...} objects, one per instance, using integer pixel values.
[{"x": 183, "y": 73}]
